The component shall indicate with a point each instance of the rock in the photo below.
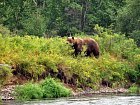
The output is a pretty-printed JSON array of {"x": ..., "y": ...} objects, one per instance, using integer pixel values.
[
  {"x": 7, "y": 92},
  {"x": 102, "y": 90},
  {"x": 122, "y": 90}
]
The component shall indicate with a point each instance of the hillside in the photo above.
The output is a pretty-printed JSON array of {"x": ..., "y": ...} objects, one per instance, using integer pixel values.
[{"x": 34, "y": 58}]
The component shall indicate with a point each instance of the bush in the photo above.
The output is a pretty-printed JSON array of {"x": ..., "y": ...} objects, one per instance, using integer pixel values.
[
  {"x": 134, "y": 89},
  {"x": 49, "y": 88},
  {"x": 136, "y": 36},
  {"x": 30, "y": 69},
  {"x": 28, "y": 91},
  {"x": 119, "y": 61},
  {"x": 4, "y": 31},
  {"x": 35, "y": 25},
  {"x": 53, "y": 89},
  {"x": 5, "y": 73}
]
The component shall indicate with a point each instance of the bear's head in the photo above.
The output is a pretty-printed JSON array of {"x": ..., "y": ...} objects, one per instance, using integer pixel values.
[
  {"x": 71, "y": 40},
  {"x": 74, "y": 40}
]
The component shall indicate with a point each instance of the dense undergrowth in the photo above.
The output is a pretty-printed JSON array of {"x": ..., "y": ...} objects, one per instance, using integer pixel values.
[
  {"x": 49, "y": 88},
  {"x": 36, "y": 58}
]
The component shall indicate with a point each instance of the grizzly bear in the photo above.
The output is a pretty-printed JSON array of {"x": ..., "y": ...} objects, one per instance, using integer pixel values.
[
  {"x": 92, "y": 46},
  {"x": 76, "y": 44}
]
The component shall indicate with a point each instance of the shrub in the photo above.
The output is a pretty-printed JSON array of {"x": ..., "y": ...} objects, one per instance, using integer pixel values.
[
  {"x": 28, "y": 91},
  {"x": 135, "y": 35},
  {"x": 30, "y": 69},
  {"x": 5, "y": 73},
  {"x": 49, "y": 88},
  {"x": 4, "y": 31},
  {"x": 34, "y": 25},
  {"x": 119, "y": 61},
  {"x": 134, "y": 89},
  {"x": 53, "y": 89}
]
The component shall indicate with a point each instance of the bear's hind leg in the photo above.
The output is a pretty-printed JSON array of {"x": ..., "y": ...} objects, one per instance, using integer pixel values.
[
  {"x": 87, "y": 53},
  {"x": 96, "y": 54}
]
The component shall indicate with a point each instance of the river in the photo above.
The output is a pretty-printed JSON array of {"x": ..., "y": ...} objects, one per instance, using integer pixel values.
[{"x": 92, "y": 100}]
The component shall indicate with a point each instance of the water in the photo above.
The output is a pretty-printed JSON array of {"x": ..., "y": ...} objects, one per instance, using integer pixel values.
[{"x": 94, "y": 100}]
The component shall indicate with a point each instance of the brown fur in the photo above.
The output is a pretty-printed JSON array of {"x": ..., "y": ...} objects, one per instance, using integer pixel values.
[
  {"x": 76, "y": 44},
  {"x": 92, "y": 46}
]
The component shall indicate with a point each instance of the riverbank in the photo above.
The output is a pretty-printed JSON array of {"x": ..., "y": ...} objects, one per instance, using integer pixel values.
[
  {"x": 102, "y": 90},
  {"x": 31, "y": 58},
  {"x": 7, "y": 91}
]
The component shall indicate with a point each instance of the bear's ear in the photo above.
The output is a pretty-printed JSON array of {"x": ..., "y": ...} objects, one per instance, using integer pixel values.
[{"x": 73, "y": 38}]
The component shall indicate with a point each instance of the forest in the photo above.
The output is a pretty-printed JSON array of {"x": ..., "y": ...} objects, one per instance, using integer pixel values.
[
  {"x": 33, "y": 43},
  {"x": 64, "y": 17}
]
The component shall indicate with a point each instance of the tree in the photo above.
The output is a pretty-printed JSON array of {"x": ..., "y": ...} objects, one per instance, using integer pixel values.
[
  {"x": 128, "y": 20},
  {"x": 11, "y": 12},
  {"x": 61, "y": 17}
]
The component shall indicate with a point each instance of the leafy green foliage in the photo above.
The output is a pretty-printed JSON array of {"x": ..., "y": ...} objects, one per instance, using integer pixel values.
[
  {"x": 35, "y": 25},
  {"x": 134, "y": 89},
  {"x": 33, "y": 57},
  {"x": 49, "y": 88},
  {"x": 53, "y": 89},
  {"x": 104, "y": 12},
  {"x": 36, "y": 17},
  {"x": 128, "y": 20},
  {"x": 29, "y": 91},
  {"x": 5, "y": 74},
  {"x": 4, "y": 30},
  {"x": 136, "y": 36}
]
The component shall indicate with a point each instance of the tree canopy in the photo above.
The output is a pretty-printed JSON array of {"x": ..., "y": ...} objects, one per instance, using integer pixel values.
[
  {"x": 128, "y": 20},
  {"x": 64, "y": 17}
]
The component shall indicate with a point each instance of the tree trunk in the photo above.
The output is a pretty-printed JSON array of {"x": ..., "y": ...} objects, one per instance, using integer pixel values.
[{"x": 83, "y": 14}]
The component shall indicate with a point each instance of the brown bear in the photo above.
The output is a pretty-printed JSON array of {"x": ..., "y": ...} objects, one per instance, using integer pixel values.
[
  {"x": 76, "y": 44},
  {"x": 92, "y": 46}
]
